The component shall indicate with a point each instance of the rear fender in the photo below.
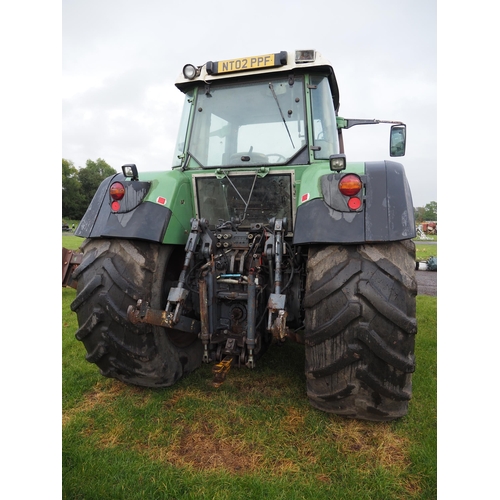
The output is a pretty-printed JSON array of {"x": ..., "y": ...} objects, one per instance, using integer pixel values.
[
  {"x": 146, "y": 210},
  {"x": 389, "y": 205},
  {"x": 385, "y": 215}
]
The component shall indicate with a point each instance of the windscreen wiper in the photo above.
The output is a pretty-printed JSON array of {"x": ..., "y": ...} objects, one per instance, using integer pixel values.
[{"x": 281, "y": 113}]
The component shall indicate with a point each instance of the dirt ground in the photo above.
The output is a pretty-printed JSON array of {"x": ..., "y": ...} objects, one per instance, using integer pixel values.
[{"x": 426, "y": 282}]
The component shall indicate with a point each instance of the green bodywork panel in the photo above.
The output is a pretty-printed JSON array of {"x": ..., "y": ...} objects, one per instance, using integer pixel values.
[{"x": 173, "y": 189}]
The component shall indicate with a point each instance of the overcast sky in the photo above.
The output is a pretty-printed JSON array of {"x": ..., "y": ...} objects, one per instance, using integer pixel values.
[{"x": 120, "y": 59}]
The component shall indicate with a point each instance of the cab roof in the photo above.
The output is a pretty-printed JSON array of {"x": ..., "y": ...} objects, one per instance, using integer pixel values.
[{"x": 280, "y": 62}]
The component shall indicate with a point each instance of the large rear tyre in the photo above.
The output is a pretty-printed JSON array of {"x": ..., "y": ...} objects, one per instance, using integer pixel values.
[
  {"x": 113, "y": 275},
  {"x": 360, "y": 305}
]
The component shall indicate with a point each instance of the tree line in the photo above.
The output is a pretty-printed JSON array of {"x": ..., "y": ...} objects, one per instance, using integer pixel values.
[
  {"x": 427, "y": 213},
  {"x": 80, "y": 184}
]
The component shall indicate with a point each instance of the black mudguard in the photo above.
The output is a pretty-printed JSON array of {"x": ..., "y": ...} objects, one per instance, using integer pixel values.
[
  {"x": 387, "y": 213},
  {"x": 136, "y": 219}
]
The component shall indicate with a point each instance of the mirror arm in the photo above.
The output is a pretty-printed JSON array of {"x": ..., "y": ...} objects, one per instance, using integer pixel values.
[{"x": 349, "y": 122}]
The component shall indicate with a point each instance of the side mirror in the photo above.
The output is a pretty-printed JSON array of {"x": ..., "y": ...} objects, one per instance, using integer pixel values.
[{"x": 398, "y": 140}]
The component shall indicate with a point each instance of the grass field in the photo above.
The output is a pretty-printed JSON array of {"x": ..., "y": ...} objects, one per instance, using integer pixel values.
[
  {"x": 71, "y": 242},
  {"x": 424, "y": 251},
  {"x": 255, "y": 437}
]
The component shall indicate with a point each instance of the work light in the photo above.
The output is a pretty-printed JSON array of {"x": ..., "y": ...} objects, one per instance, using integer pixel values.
[{"x": 189, "y": 71}]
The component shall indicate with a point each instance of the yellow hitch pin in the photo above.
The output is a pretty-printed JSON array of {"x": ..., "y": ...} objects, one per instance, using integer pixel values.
[{"x": 220, "y": 371}]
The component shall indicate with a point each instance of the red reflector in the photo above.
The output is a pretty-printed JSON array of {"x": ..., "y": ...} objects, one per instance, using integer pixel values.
[
  {"x": 350, "y": 185},
  {"x": 117, "y": 191},
  {"x": 115, "y": 206},
  {"x": 354, "y": 203}
]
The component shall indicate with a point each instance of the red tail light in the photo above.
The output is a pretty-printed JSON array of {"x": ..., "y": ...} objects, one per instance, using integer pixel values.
[
  {"x": 354, "y": 203},
  {"x": 350, "y": 185},
  {"x": 117, "y": 191}
]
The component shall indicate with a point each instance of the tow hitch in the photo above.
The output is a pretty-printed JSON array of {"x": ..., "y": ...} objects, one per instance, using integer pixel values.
[{"x": 220, "y": 371}]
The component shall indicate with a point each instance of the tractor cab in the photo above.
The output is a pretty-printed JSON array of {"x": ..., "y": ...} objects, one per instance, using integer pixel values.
[{"x": 275, "y": 109}]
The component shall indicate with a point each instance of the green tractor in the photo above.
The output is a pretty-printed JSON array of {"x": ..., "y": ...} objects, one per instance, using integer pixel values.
[{"x": 260, "y": 232}]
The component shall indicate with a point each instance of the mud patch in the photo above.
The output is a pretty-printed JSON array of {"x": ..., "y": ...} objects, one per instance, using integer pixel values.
[
  {"x": 200, "y": 449},
  {"x": 376, "y": 442}
]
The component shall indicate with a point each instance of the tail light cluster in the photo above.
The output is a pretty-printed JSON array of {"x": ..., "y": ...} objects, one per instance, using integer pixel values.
[
  {"x": 117, "y": 192},
  {"x": 350, "y": 185}
]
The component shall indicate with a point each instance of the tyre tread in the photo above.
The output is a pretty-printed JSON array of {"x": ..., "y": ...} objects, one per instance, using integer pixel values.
[
  {"x": 113, "y": 275},
  {"x": 360, "y": 329},
  {"x": 389, "y": 310}
]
